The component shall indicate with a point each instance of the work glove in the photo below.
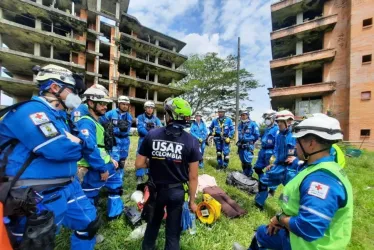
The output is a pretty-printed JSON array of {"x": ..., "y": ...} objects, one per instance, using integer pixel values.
[{"x": 227, "y": 140}]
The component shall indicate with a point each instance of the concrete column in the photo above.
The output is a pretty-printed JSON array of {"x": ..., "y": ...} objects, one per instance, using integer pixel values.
[
  {"x": 51, "y": 55},
  {"x": 1, "y": 41},
  {"x": 300, "y": 18},
  {"x": 52, "y": 27},
  {"x": 299, "y": 77},
  {"x": 38, "y": 24},
  {"x": 98, "y": 5},
  {"x": 39, "y": 1},
  {"x": 156, "y": 78},
  {"x": 98, "y": 23},
  {"x": 297, "y": 110},
  {"x": 174, "y": 49},
  {"x": 173, "y": 65},
  {"x": 73, "y": 8},
  {"x": 299, "y": 47},
  {"x": 97, "y": 45},
  {"x": 173, "y": 81},
  {"x": 156, "y": 59},
  {"x": 118, "y": 8},
  {"x": 155, "y": 111},
  {"x": 147, "y": 76},
  {"x": 157, "y": 42},
  {"x": 155, "y": 96},
  {"x": 1, "y": 13},
  {"x": 36, "y": 49},
  {"x": 97, "y": 61}
]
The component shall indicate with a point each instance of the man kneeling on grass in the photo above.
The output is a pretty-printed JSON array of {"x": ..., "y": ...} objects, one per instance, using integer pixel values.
[{"x": 317, "y": 205}]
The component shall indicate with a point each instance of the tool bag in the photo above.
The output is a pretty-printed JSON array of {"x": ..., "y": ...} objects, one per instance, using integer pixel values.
[{"x": 242, "y": 182}]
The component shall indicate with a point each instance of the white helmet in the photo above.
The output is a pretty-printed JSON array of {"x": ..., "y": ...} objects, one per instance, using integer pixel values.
[
  {"x": 269, "y": 114},
  {"x": 284, "y": 115},
  {"x": 97, "y": 93},
  {"x": 244, "y": 111},
  {"x": 221, "y": 109},
  {"x": 321, "y": 125},
  {"x": 123, "y": 99},
  {"x": 149, "y": 104},
  {"x": 198, "y": 113}
]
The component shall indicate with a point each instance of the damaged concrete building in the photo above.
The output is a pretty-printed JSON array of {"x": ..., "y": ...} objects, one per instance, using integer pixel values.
[
  {"x": 95, "y": 37},
  {"x": 322, "y": 62}
]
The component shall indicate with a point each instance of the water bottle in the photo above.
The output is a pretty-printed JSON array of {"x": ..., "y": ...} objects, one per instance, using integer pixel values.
[{"x": 193, "y": 223}]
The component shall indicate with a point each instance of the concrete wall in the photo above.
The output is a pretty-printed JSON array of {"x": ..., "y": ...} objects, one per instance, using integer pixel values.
[
  {"x": 338, "y": 69},
  {"x": 361, "y": 112}
]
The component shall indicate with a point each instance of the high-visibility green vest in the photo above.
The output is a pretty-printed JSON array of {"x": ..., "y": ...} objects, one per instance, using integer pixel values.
[
  {"x": 99, "y": 141},
  {"x": 338, "y": 234},
  {"x": 339, "y": 155}
]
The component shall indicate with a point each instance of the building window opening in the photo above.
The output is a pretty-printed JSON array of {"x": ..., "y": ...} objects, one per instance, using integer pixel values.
[
  {"x": 45, "y": 51},
  {"x": 164, "y": 63},
  {"x": 284, "y": 23},
  {"x": 312, "y": 75},
  {"x": 366, "y": 95},
  {"x": 141, "y": 93},
  {"x": 365, "y": 133},
  {"x": 367, "y": 22},
  {"x": 313, "y": 14},
  {"x": 366, "y": 59},
  {"x": 23, "y": 19},
  {"x": 313, "y": 43}
]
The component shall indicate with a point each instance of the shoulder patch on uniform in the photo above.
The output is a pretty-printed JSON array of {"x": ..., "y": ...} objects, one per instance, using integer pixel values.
[
  {"x": 318, "y": 189},
  {"x": 77, "y": 113},
  {"x": 49, "y": 130},
  {"x": 39, "y": 118},
  {"x": 85, "y": 132}
]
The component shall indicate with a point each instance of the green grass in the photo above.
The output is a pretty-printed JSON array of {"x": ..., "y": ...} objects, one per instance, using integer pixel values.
[{"x": 226, "y": 231}]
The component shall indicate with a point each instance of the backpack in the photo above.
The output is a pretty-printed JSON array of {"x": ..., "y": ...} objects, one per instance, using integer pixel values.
[{"x": 242, "y": 182}]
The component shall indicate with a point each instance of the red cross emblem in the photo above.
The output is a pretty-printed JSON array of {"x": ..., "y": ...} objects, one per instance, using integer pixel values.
[
  {"x": 39, "y": 116},
  {"x": 318, "y": 187}
]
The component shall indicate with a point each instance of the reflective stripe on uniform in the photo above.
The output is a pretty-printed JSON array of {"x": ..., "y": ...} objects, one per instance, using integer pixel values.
[
  {"x": 47, "y": 142},
  {"x": 315, "y": 212}
]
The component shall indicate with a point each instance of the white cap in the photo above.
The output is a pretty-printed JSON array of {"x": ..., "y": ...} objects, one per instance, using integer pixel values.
[
  {"x": 321, "y": 125},
  {"x": 149, "y": 104},
  {"x": 284, "y": 115},
  {"x": 123, "y": 99},
  {"x": 97, "y": 93}
]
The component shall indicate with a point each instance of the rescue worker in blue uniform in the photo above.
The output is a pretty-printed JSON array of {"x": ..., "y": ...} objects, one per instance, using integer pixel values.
[
  {"x": 39, "y": 128},
  {"x": 145, "y": 123},
  {"x": 173, "y": 171},
  {"x": 200, "y": 132},
  {"x": 223, "y": 131},
  {"x": 284, "y": 166},
  {"x": 121, "y": 120},
  {"x": 101, "y": 167},
  {"x": 267, "y": 145},
  {"x": 248, "y": 133},
  {"x": 317, "y": 205}
]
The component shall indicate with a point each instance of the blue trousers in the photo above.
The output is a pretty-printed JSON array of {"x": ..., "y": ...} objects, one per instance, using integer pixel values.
[
  {"x": 263, "y": 160},
  {"x": 92, "y": 184},
  {"x": 71, "y": 208},
  {"x": 123, "y": 145},
  {"x": 278, "y": 241},
  {"x": 222, "y": 148},
  {"x": 278, "y": 174},
  {"x": 202, "y": 149},
  {"x": 246, "y": 157},
  {"x": 141, "y": 171}
]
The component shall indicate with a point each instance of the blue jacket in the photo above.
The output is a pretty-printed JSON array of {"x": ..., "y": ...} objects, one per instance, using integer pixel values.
[
  {"x": 88, "y": 129},
  {"x": 248, "y": 131},
  {"x": 285, "y": 145},
  {"x": 115, "y": 116},
  {"x": 77, "y": 113},
  {"x": 141, "y": 123},
  {"x": 269, "y": 137},
  {"x": 222, "y": 127},
  {"x": 199, "y": 131},
  {"x": 315, "y": 213},
  {"x": 40, "y": 128}
]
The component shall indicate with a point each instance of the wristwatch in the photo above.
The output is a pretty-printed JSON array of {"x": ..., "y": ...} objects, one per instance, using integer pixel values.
[{"x": 279, "y": 217}]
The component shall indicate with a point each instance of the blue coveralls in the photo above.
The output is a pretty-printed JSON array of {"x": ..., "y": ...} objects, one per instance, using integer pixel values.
[
  {"x": 314, "y": 219},
  {"x": 143, "y": 129},
  {"x": 122, "y": 137},
  {"x": 281, "y": 172},
  {"x": 41, "y": 128},
  {"x": 200, "y": 131},
  {"x": 248, "y": 134},
  {"x": 267, "y": 150},
  {"x": 222, "y": 128},
  {"x": 92, "y": 182}
]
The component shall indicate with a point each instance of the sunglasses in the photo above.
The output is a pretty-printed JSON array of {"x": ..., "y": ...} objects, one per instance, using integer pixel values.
[{"x": 102, "y": 103}]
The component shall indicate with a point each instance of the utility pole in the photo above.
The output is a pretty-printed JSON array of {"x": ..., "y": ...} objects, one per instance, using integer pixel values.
[{"x": 237, "y": 93}]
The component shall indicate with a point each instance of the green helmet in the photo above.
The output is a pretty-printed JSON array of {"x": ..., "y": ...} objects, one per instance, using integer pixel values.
[{"x": 178, "y": 108}]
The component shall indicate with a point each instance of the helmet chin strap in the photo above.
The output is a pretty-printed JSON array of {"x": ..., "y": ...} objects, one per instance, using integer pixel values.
[
  {"x": 306, "y": 155},
  {"x": 58, "y": 97},
  {"x": 94, "y": 109}
]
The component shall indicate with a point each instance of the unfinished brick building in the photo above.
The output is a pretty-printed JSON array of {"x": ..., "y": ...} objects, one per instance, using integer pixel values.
[
  {"x": 322, "y": 62},
  {"x": 95, "y": 37}
]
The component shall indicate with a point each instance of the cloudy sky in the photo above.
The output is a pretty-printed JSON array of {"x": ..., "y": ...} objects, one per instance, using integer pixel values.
[{"x": 214, "y": 26}]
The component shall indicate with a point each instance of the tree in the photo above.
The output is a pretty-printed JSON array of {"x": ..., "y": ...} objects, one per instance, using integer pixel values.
[{"x": 211, "y": 82}]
